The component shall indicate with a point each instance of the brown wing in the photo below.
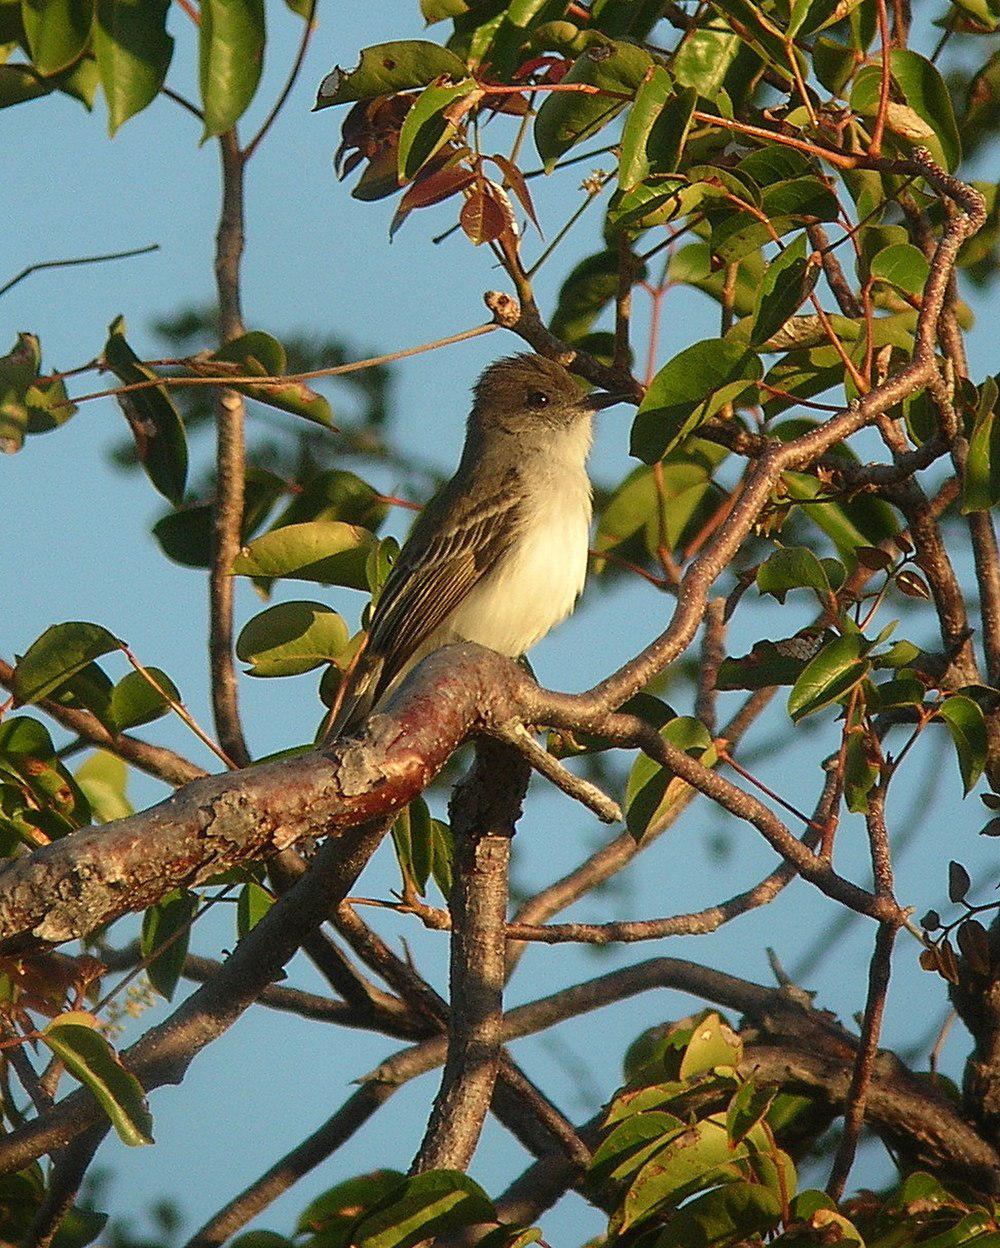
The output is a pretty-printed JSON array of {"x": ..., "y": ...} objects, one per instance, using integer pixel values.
[
  {"x": 434, "y": 573},
  {"x": 452, "y": 545}
]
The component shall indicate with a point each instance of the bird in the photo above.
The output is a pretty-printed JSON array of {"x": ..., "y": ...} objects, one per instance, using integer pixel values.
[{"x": 499, "y": 556}]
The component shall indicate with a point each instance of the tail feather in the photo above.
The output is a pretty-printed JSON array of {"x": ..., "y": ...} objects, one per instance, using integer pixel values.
[{"x": 357, "y": 697}]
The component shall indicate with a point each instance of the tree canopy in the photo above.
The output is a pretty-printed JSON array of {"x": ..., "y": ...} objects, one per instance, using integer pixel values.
[{"x": 809, "y": 169}]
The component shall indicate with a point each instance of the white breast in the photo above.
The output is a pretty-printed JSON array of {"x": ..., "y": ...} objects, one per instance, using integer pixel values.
[{"x": 536, "y": 584}]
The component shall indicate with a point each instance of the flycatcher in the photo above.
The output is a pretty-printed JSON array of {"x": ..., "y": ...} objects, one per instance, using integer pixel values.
[{"x": 499, "y": 557}]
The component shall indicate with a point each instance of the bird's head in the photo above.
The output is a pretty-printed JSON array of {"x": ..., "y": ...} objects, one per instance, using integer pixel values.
[{"x": 527, "y": 393}]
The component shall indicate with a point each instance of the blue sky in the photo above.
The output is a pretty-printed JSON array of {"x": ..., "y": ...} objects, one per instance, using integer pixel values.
[{"x": 76, "y": 545}]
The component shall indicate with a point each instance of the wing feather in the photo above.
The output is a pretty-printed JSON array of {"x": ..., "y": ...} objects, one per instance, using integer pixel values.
[{"x": 452, "y": 546}]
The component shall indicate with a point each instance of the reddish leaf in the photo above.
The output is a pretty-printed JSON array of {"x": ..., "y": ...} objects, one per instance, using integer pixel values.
[
  {"x": 431, "y": 189},
  {"x": 518, "y": 185},
  {"x": 912, "y": 585},
  {"x": 482, "y": 218},
  {"x": 436, "y": 186}
]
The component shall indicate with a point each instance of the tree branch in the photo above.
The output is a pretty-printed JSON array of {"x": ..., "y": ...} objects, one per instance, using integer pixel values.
[
  {"x": 230, "y": 462},
  {"x": 484, "y": 813}
]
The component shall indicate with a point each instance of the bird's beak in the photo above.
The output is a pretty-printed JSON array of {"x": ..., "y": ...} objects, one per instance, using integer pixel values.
[{"x": 598, "y": 400}]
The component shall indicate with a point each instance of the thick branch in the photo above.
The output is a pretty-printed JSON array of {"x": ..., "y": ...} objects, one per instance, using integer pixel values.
[
  {"x": 484, "y": 811},
  {"x": 164, "y": 1053}
]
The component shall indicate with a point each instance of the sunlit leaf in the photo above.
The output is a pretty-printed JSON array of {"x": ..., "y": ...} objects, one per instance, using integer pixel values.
[
  {"x": 135, "y": 701},
  {"x": 688, "y": 390},
  {"x": 230, "y": 56},
  {"x": 830, "y": 675},
  {"x": 967, "y": 725},
  {"x": 89, "y": 1057},
  {"x": 133, "y": 52},
  {"x": 568, "y": 117},
  {"x": 60, "y": 652},
  {"x": 327, "y": 551},
  {"x": 386, "y": 68},
  {"x": 290, "y": 638}
]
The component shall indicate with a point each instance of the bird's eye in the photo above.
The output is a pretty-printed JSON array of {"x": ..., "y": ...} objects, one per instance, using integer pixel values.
[{"x": 538, "y": 398}]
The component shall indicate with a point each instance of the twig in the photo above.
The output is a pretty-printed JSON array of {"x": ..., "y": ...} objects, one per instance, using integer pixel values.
[
  {"x": 183, "y": 101},
  {"x": 615, "y": 856},
  {"x": 63, "y": 264},
  {"x": 180, "y": 710},
  {"x": 713, "y": 651},
  {"x": 516, "y": 735},
  {"x": 338, "y": 370},
  {"x": 885, "y": 79},
  {"x": 68, "y": 1170},
  {"x": 864, "y": 1064},
  {"x": 230, "y": 464},
  {"x": 878, "y": 987}
]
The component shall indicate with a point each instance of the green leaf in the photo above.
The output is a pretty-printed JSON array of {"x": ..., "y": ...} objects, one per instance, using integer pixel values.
[
  {"x": 630, "y": 1145},
  {"x": 688, "y": 390},
  {"x": 981, "y": 480},
  {"x": 57, "y": 32},
  {"x": 735, "y": 1211},
  {"x": 90, "y": 1058},
  {"x": 705, "y": 56},
  {"x": 104, "y": 781},
  {"x": 788, "y": 281},
  {"x": 167, "y": 926},
  {"x": 589, "y": 287},
  {"x": 380, "y": 562},
  {"x": 428, "y": 1205},
  {"x": 510, "y": 1237},
  {"x": 231, "y": 40},
  {"x": 336, "y": 1211},
  {"x": 134, "y": 701},
  {"x": 291, "y": 638},
  {"x": 699, "y": 1158},
  {"x": 18, "y": 84},
  {"x": 793, "y": 567},
  {"x": 60, "y": 652},
  {"x": 967, "y": 725},
  {"x": 186, "y": 535},
  {"x": 787, "y": 205},
  {"x": 336, "y": 495},
  {"x": 386, "y": 68},
  {"x": 327, "y": 551},
  {"x": 653, "y": 93},
  {"x": 428, "y": 125},
  {"x": 260, "y": 354},
  {"x": 133, "y": 53},
  {"x": 927, "y": 117},
  {"x": 18, "y": 373},
  {"x": 159, "y": 435},
  {"x": 902, "y": 265},
  {"x": 768, "y": 663},
  {"x": 860, "y": 773},
  {"x": 251, "y": 906},
  {"x": 748, "y": 1107},
  {"x": 830, "y": 675},
  {"x": 411, "y": 834},
  {"x": 712, "y": 1044},
  {"x": 651, "y": 789},
  {"x": 568, "y": 117}
]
